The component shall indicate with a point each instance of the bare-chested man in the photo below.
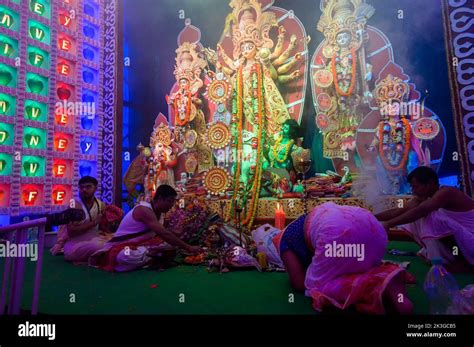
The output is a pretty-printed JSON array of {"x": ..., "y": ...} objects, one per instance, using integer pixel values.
[
  {"x": 440, "y": 219},
  {"x": 140, "y": 233}
]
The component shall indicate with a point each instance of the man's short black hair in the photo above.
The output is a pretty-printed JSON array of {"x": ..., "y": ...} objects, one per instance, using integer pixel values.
[
  {"x": 424, "y": 175},
  {"x": 164, "y": 191},
  {"x": 88, "y": 179}
]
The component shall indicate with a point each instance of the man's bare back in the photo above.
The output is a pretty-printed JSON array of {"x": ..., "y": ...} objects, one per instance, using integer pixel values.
[{"x": 457, "y": 201}]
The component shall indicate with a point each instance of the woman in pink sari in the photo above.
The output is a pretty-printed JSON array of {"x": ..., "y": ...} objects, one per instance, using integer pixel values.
[{"x": 334, "y": 254}]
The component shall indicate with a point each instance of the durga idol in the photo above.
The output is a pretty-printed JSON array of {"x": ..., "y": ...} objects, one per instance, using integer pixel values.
[{"x": 258, "y": 108}]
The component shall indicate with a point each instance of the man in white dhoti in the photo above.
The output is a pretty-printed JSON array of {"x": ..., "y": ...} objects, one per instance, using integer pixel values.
[
  {"x": 84, "y": 238},
  {"x": 140, "y": 235},
  {"x": 440, "y": 219}
]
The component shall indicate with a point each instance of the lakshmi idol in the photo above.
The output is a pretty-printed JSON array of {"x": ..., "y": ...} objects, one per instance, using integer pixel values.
[
  {"x": 185, "y": 100},
  {"x": 186, "y": 111},
  {"x": 342, "y": 76}
]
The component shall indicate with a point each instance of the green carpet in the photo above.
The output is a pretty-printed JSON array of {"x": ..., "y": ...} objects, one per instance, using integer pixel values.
[
  {"x": 152, "y": 292},
  {"x": 419, "y": 269}
]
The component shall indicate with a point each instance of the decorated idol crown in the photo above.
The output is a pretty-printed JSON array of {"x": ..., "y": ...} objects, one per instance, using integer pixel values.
[
  {"x": 189, "y": 65},
  {"x": 391, "y": 90},
  {"x": 251, "y": 25},
  {"x": 343, "y": 16},
  {"x": 161, "y": 134}
]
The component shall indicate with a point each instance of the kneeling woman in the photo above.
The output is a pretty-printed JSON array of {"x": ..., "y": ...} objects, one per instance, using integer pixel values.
[{"x": 334, "y": 254}]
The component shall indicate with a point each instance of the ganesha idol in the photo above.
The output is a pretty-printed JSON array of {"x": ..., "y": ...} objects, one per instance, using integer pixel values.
[
  {"x": 176, "y": 149},
  {"x": 154, "y": 165},
  {"x": 163, "y": 160}
]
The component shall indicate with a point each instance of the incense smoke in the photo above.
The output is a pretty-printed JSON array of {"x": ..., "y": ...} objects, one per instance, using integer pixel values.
[{"x": 366, "y": 187}]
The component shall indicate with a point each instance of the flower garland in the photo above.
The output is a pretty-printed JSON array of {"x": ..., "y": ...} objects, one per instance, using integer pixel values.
[
  {"x": 238, "y": 107},
  {"x": 353, "y": 75},
  {"x": 403, "y": 129},
  {"x": 239, "y": 119},
  {"x": 150, "y": 176},
  {"x": 258, "y": 173},
  {"x": 178, "y": 121},
  {"x": 287, "y": 150}
]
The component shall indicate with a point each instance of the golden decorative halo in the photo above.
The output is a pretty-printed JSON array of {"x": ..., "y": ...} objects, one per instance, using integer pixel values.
[
  {"x": 216, "y": 180},
  {"x": 217, "y": 135},
  {"x": 219, "y": 91}
]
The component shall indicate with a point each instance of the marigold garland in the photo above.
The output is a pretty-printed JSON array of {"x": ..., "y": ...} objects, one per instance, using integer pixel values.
[
  {"x": 258, "y": 170},
  {"x": 248, "y": 219},
  {"x": 287, "y": 149},
  {"x": 239, "y": 120}
]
